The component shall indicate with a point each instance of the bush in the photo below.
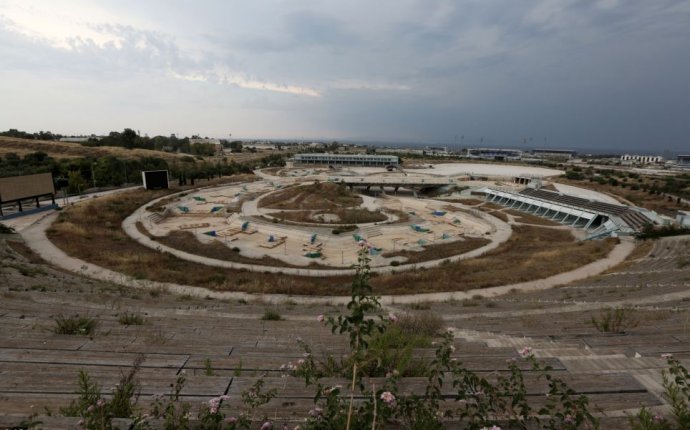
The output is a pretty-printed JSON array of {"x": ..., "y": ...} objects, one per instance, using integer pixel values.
[
  {"x": 271, "y": 315},
  {"x": 74, "y": 325},
  {"x": 130, "y": 319},
  {"x": 344, "y": 229},
  {"x": 6, "y": 230},
  {"x": 615, "y": 320}
]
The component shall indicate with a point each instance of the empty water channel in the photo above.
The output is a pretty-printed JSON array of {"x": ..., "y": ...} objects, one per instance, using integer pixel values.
[{"x": 252, "y": 232}]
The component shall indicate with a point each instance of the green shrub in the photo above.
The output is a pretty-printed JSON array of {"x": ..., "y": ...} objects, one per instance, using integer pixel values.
[
  {"x": 271, "y": 315},
  {"x": 74, "y": 325},
  {"x": 6, "y": 230}
]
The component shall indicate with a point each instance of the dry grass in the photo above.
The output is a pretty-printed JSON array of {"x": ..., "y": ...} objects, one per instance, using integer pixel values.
[
  {"x": 468, "y": 202},
  {"x": 531, "y": 253},
  {"x": 642, "y": 248},
  {"x": 185, "y": 241},
  {"x": 495, "y": 213},
  {"x": 59, "y": 150},
  {"x": 441, "y": 250},
  {"x": 527, "y": 218},
  {"x": 345, "y": 216},
  {"x": 319, "y": 196},
  {"x": 75, "y": 150}
]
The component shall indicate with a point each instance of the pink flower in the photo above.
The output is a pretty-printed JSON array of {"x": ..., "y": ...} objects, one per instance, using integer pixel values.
[
  {"x": 526, "y": 351},
  {"x": 667, "y": 356},
  {"x": 100, "y": 403},
  {"x": 491, "y": 428},
  {"x": 388, "y": 398},
  {"x": 392, "y": 317},
  {"x": 90, "y": 408},
  {"x": 213, "y": 409},
  {"x": 320, "y": 318},
  {"x": 225, "y": 397},
  {"x": 267, "y": 425},
  {"x": 658, "y": 418},
  {"x": 569, "y": 419}
]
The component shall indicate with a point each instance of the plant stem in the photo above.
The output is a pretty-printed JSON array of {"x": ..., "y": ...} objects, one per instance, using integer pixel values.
[
  {"x": 373, "y": 394},
  {"x": 352, "y": 395}
]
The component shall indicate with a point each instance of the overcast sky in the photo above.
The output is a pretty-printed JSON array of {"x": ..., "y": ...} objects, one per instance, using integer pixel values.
[{"x": 560, "y": 73}]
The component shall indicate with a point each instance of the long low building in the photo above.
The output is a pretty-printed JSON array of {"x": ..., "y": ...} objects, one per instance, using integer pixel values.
[
  {"x": 497, "y": 154},
  {"x": 347, "y": 159}
]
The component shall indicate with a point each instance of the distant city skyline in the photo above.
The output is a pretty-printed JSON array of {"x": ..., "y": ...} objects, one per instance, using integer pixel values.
[{"x": 603, "y": 74}]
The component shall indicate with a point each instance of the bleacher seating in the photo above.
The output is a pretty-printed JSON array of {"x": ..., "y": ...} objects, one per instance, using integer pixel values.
[{"x": 633, "y": 218}]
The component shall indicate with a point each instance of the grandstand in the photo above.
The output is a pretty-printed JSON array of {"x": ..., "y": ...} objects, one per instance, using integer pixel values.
[
  {"x": 497, "y": 154},
  {"x": 598, "y": 218}
]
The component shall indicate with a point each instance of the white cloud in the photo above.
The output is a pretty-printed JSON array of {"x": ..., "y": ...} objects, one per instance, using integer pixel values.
[{"x": 58, "y": 24}]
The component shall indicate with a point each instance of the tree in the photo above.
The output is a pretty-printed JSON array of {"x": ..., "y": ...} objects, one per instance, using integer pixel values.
[
  {"x": 75, "y": 183},
  {"x": 236, "y": 146}
]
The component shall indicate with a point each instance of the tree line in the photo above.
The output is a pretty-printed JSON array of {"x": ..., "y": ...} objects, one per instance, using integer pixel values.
[{"x": 76, "y": 175}]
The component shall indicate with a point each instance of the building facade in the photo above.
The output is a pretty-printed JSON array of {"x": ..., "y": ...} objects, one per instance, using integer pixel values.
[
  {"x": 683, "y": 161},
  {"x": 642, "y": 159},
  {"x": 556, "y": 154},
  {"x": 347, "y": 159},
  {"x": 494, "y": 154}
]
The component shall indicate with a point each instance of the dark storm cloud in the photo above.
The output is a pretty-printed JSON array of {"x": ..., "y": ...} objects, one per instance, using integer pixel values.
[{"x": 580, "y": 73}]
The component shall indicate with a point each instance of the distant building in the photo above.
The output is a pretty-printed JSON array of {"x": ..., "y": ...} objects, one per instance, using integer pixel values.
[
  {"x": 260, "y": 146},
  {"x": 641, "y": 159},
  {"x": 554, "y": 154},
  {"x": 347, "y": 159},
  {"x": 196, "y": 140},
  {"x": 683, "y": 161},
  {"x": 436, "y": 151},
  {"x": 494, "y": 154}
]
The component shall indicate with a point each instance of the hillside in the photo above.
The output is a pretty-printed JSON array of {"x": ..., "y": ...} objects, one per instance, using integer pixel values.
[{"x": 60, "y": 150}]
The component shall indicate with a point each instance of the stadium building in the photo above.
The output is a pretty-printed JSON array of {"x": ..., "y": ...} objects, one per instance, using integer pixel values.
[
  {"x": 494, "y": 154},
  {"x": 554, "y": 154},
  {"x": 641, "y": 159},
  {"x": 683, "y": 161}
]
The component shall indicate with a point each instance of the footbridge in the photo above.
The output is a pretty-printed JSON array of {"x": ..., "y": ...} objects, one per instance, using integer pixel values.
[{"x": 411, "y": 182}]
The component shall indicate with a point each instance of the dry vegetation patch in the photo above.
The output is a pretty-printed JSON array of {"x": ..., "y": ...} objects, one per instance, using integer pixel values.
[
  {"x": 528, "y": 218},
  {"x": 441, "y": 250},
  {"x": 531, "y": 253},
  {"x": 75, "y": 150},
  {"x": 187, "y": 242},
  {"x": 340, "y": 216},
  {"x": 318, "y": 196},
  {"x": 642, "y": 249}
]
